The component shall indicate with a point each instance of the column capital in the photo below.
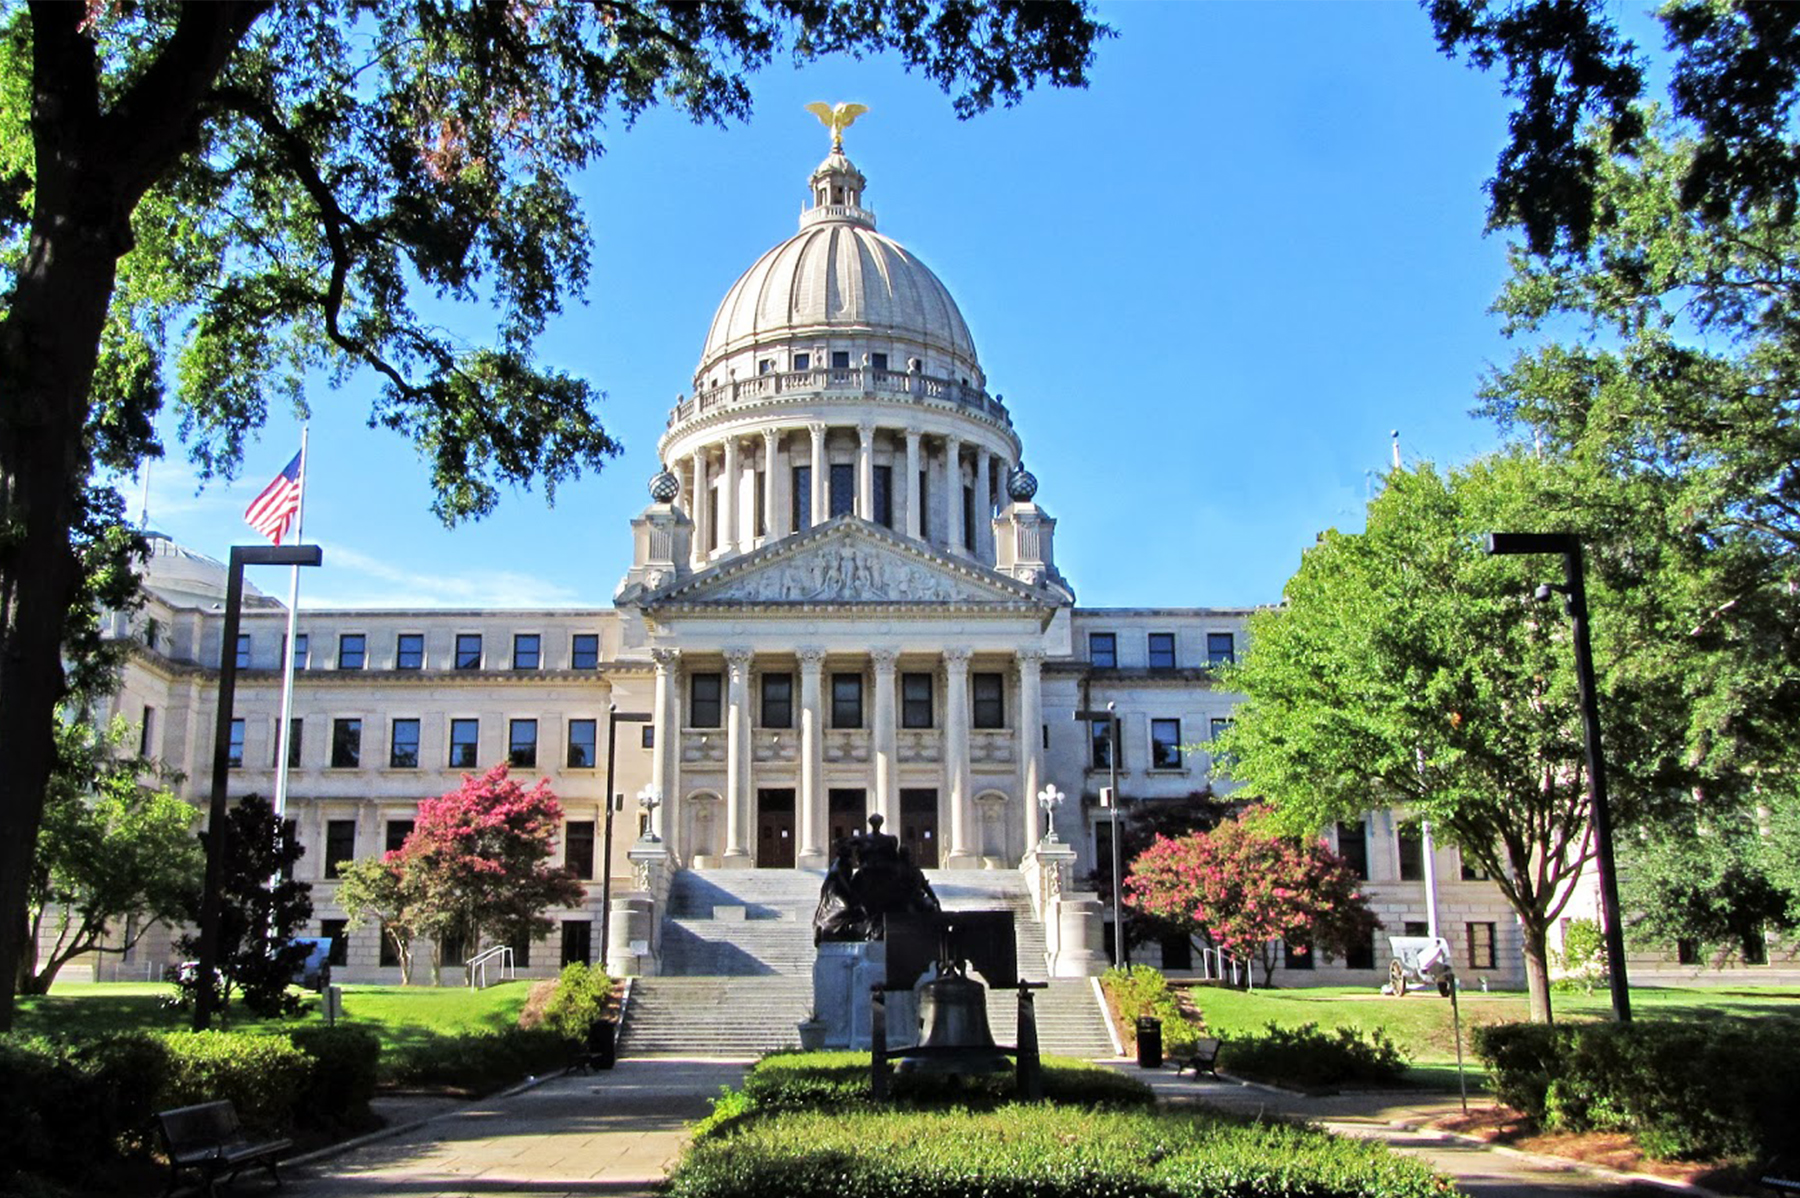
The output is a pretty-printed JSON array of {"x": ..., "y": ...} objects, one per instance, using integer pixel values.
[
  {"x": 913, "y": 433},
  {"x": 884, "y": 659},
  {"x": 666, "y": 659},
  {"x": 1031, "y": 659},
  {"x": 956, "y": 659},
  {"x": 772, "y": 435},
  {"x": 738, "y": 658},
  {"x": 816, "y": 428},
  {"x": 811, "y": 657},
  {"x": 865, "y": 429}
]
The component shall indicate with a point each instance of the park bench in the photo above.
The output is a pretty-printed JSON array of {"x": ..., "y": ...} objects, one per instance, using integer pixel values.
[
  {"x": 206, "y": 1139},
  {"x": 1204, "y": 1055}
]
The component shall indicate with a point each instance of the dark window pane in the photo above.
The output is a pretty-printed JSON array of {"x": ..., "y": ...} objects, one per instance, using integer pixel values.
[
  {"x": 582, "y": 734},
  {"x": 521, "y": 743},
  {"x": 1162, "y": 650},
  {"x": 989, "y": 707},
  {"x": 527, "y": 650},
  {"x": 397, "y": 832},
  {"x": 1165, "y": 744},
  {"x": 777, "y": 700},
  {"x": 802, "y": 498},
  {"x": 1472, "y": 870},
  {"x": 403, "y": 751},
  {"x": 842, "y": 499},
  {"x": 409, "y": 651},
  {"x": 1360, "y": 956},
  {"x": 578, "y": 853},
  {"x": 878, "y": 361},
  {"x": 704, "y": 700},
  {"x": 915, "y": 701},
  {"x": 390, "y": 955},
  {"x": 336, "y": 931},
  {"x": 234, "y": 752},
  {"x": 1296, "y": 955},
  {"x": 300, "y": 650},
  {"x": 577, "y": 939},
  {"x": 802, "y": 361},
  {"x": 1103, "y": 650},
  {"x": 584, "y": 651},
  {"x": 1221, "y": 647},
  {"x": 463, "y": 737},
  {"x": 968, "y": 537},
  {"x": 1412, "y": 852},
  {"x": 840, "y": 359},
  {"x": 340, "y": 844},
  {"x": 846, "y": 701},
  {"x": 243, "y": 651},
  {"x": 1353, "y": 847},
  {"x": 884, "y": 496},
  {"x": 295, "y": 727},
  {"x": 352, "y": 651},
  {"x": 1101, "y": 733},
  {"x": 468, "y": 650},
  {"x": 346, "y": 744}
]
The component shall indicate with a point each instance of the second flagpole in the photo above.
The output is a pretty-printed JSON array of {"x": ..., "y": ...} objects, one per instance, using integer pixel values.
[{"x": 284, "y": 730}]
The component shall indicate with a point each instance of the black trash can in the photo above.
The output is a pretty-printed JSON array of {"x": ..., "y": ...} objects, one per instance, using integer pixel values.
[
  {"x": 1149, "y": 1038},
  {"x": 602, "y": 1044}
]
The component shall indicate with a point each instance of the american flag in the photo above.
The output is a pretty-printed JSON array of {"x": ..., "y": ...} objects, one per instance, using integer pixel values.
[{"x": 271, "y": 512}]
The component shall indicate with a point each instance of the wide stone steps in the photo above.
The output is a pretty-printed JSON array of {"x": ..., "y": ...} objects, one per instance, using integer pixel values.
[{"x": 714, "y": 1017}]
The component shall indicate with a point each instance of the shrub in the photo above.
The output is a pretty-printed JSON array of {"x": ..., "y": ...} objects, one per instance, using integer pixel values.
[
  {"x": 1139, "y": 990},
  {"x": 54, "y": 1115},
  {"x": 345, "y": 1064},
  {"x": 264, "y": 1076},
  {"x": 1685, "y": 1090},
  {"x": 478, "y": 1062},
  {"x": 1306, "y": 1056},
  {"x": 578, "y": 1001},
  {"x": 1037, "y": 1151}
]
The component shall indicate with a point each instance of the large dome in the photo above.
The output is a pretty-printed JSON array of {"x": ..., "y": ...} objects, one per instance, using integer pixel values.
[{"x": 838, "y": 285}]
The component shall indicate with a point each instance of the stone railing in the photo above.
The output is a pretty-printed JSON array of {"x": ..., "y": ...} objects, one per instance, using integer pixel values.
[
  {"x": 866, "y": 381},
  {"x": 1072, "y": 920}
]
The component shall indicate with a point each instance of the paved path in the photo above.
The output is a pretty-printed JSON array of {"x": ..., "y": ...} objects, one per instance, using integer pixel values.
[{"x": 611, "y": 1133}]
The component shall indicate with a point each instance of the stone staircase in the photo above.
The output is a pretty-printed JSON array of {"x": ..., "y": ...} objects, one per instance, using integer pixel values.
[{"x": 737, "y": 967}]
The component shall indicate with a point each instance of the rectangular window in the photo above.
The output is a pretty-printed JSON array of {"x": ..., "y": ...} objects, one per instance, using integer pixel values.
[
  {"x": 301, "y": 649},
  {"x": 464, "y": 736},
  {"x": 705, "y": 704},
  {"x": 777, "y": 700},
  {"x": 147, "y": 733},
  {"x": 878, "y": 361},
  {"x": 1472, "y": 870},
  {"x": 842, "y": 500},
  {"x": 577, "y": 940},
  {"x": 884, "y": 496},
  {"x": 234, "y": 749},
  {"x": 765, "y": 366},
  {"x": 925, "y": 504},
  {"x": 761, "y": 505},
  {"x": 468, "y": 650},
  {"x": 409, "y": 651},
  {"x": 582, "y": 736},
  {"x": 390, "y": 956},
  {"x": 988, "y": 709},
  {"x": 1415, "y": 927},
  {"x": 1756, "y": 947},
  {"x": 1411, "y": 838},
  {"x": 527, "y": 650},
  {"x": 1162, "y": 651},
  {"x": 336, "y": 931},
  {"x": 578, "y": 847},
  {"x": 453, "y": 949},
  {"x": 346, "y": 744},
  {"x": 1100, "y": 733},
  {"x": 352, "y": 650},
  {"x": 915, "y": 701},
  {"x": 584, "y": 651},
  {"x": 1221, "y": 648},
  {"x": 840, "y": 359},
  {"x": 243, "y": 651},
  {"x": 295, "y": 726},
  {"x": 340, "y": 844},
  {"x": 1687, "y": 951},
  {"x": 403, "y": 747},
  {"x": 1360, "y": 955},
  {"x": 846, "y": 701},
  {"x": 802, "y": 361},
  {"x": 1165, "y": 744},
  {"x": 1353, "y": 847},
  {"x": 1103, "y": 650},
  {"x": 1481, "y": 945},
  {"x": 1296, "y": 954},
  {"x": 397, "y": 832},
  {"x": 712, "y": 515},
  {"x": 968, "y": 520},
  {"x": 521, "y": 744},
  {"x": 802, "y": 498}
]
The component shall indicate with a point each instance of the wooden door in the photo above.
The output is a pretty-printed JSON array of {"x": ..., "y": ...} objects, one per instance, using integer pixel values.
[
  {"x": 775, "y": 829},
  {"x": 919, "y": 826}
]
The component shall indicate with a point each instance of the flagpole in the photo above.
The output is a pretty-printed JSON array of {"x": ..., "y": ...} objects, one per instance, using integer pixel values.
[{"x": 285, "y": 728}]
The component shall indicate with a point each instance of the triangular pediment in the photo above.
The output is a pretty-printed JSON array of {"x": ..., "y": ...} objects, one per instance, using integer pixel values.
[{"x": 849, "y": 561}]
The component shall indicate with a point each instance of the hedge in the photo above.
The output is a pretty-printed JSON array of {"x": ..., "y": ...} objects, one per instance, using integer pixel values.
[
  {"x": 1684, "y": 1090},
  {"x": 578, "y": 1001},
  {"x": 830, "y": 1081},
  {"x": 1139, "y": 990},
  {"x": 1306, "y": 1056},
  {"x": 1037, "y": 1151},
  {"x": 478, "y": 1062}
]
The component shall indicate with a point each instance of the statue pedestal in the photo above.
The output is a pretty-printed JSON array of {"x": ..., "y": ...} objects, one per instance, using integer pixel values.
[{"x": 843, "y": 974}]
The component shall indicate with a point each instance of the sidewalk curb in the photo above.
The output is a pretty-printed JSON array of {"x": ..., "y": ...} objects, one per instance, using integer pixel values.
[
  {"x": 1559, "y": 1163},
  {"x": 329, "y": 1151}
]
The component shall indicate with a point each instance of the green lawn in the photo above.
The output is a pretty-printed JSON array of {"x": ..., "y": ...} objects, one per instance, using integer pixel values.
[
  {"x": 401, "y": 1015},
  {"x": 1420, "y": 1022}
]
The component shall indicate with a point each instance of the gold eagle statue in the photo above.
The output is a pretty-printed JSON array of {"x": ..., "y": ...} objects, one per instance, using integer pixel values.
[{"x": 836, "y": 118}]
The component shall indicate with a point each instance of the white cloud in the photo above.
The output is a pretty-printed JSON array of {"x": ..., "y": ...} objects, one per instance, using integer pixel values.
[{"x": 355, "y": 579}]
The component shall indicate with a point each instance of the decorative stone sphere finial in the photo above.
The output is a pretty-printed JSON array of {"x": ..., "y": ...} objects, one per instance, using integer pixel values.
[
  {"x": 1021, "y": 484},
  {"x": 664, "y": 486}
]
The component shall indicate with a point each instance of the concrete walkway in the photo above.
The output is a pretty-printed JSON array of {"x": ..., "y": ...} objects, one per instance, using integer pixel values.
[{"x": 612, "y": 1133}]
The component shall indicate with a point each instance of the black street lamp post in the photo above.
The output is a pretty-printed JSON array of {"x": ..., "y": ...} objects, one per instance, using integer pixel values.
[
  {"x": 1504, "y": 544},
  {"x": 216, "y": 823}
]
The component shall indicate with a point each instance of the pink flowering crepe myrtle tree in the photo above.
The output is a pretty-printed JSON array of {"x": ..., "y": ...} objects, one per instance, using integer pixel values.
[{"x": 1241, "y": 888}]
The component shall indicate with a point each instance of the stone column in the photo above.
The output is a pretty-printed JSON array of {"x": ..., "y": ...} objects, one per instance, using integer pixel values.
[
  {"x": 817, "y": 429},
  {"x": 774, "y": 519},
  {"x": 865, "y": 470},
  {"x": 915, "y": 519},
  {"x": 666, "y": 730},
  {"x": 702, "y": 511},
  {"x": 812, "y": 752},
  {"x": 737, "y": 757},
  {"x": 1031, "y": 740},
  {"x": 956, "y": 756},
  {"x": 983, "y": 548},
  {"x": 953, "y": 511},
  {"x": 730, "y": 530},
  {"x": 883, "y": 735}
]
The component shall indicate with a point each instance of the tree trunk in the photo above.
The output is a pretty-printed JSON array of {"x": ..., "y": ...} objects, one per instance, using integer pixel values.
[{"x": 1537, "y": 969}]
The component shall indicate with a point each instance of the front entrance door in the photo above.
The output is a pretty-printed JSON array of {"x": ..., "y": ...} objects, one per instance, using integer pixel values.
[
  {"x": 849, "y": 812},
  {"x": 775, "y": 829},
  {"x": 919, "y": 826}
]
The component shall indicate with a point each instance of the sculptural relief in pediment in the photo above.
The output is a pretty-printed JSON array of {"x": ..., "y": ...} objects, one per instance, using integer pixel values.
[{"x": 849, "y": 573}]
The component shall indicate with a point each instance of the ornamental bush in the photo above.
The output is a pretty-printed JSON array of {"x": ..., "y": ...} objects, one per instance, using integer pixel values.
[
  {"x": 1037, "y": 1151},
  {"x": 1684, "y": 1090},
  {"x": 478, "y": 1062},
  {"x": 346, "y": 1062},
  {"x": 578, "y": 1001},
  {"x": 264, "y": 1076},
  {"x": 1307, "y": 1057},
  {"x": 1139, "y": 990}
]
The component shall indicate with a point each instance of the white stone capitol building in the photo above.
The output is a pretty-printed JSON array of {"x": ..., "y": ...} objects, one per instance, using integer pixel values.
[{"x": 843, "y": 600}]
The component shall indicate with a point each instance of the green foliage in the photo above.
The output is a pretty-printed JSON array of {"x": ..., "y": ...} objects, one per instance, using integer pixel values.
[
  {"x": 578, "y": 1001},
  {"x": 1583, "y": 956},
  {"x": 264, "y": 1076},
  {"x": 346, "y": 1062},
  {"x": 477, "y": 1062},
  {"x": 1720, "y": 887},
  {"x": 1139, "y": 990},
  {"x": 1307, "y": 1057},
  {"x": 1685, "y": 1090},
  {"x": 55, "y": 1118},
  {"x": 1036, "y": 1151}
]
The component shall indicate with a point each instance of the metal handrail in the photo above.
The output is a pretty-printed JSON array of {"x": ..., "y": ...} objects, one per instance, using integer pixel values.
[
  {"x": 479, "y": 962},
  {"x": 1218, "y": 965}
]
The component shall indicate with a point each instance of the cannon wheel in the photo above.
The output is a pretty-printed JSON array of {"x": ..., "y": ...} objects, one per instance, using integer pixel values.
[{"x": 1396, "y": 979}]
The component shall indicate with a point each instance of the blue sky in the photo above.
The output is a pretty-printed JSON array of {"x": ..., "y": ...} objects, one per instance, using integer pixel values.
[{"x": 1208, "y": 286}]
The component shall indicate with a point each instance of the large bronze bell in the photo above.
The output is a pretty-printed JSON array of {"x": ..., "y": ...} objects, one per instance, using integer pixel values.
[{"x": 953, "y": 1010}]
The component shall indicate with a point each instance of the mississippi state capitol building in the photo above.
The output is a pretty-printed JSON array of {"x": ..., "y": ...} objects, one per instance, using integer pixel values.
[{"x": 843, "y": 599}]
